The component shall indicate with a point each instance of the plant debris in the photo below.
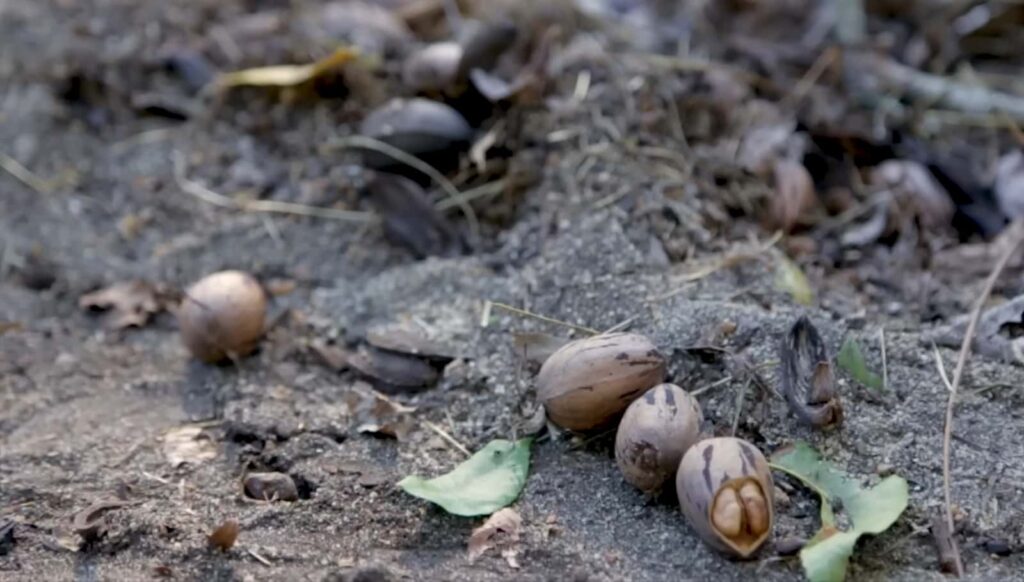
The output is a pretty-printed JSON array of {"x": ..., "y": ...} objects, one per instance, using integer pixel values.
[
  {"x": 489, "y": 480},
  {"x": 410, "y": 219},
  {"x": 500, "y": 529},
  {"x": 127, "y": 304},
  {"x": 396, "y": 372},
  {"x": 851, "y": 359},
  {"x": 806, "y": 377},
  {"x": 188, "y": 444},
  {"x": 287, "y": 75},
  {"x": 871, "y": 510}
]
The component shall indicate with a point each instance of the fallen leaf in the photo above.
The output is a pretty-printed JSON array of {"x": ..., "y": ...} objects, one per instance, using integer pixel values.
[
  {"x": 128, "y": 304},
  {"x": 868, "y": 231},
  {"x": 188, "y": 444},
  {"x": 871, "y": 510},
  {"x": 489, "y": 480},
  {"x": 999, "y": 335},
  {"x": 223, "y": 538},
  {"x": 287, "y": 75},
  {"x": 502, "y": 528},
  {"x": 407, "y": 336},
  {"x": 789, "y": 278},
  {"x": 851, "y": 359},
  {"x": 395, "y": 370},
  {"x": 375, "y": 413},
  {"x": 333, "y": 356},
  {"x": 410, "y": 219},
  {"x": 794, "y": 195},
  {"x": 90, "y": 523}
]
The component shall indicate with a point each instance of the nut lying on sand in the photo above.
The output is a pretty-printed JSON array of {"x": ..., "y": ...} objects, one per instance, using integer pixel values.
[
  {"x": 222, "y": 315},
  {"x": 588, "y": 382},
  {"x": 654, "y": 434},
  {"x": 725, "y": 491}
]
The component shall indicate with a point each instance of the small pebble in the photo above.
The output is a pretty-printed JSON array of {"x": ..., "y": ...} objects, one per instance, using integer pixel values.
[
  {"x": 997, "y": 547},
  {"x": 789, "y": 546}
]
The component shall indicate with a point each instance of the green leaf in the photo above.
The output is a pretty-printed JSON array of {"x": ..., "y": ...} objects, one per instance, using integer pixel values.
[
  {"x": 851, "y": 359},
  {"x": 826, "y": 560},
  {"x": 871, "y": 510},
  {"x": 789, "y": 278},
  {"x": 484, "y": 483}
]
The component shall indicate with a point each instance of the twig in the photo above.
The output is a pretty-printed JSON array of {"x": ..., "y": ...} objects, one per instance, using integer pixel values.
[
  {"x": 941, "y": 367},
  {"x": 23, "y": 174},
  {"x": 934, "y": 88},
  {"x": 739, "y": 406},
  {"x": 447, "y": 437},
  {"x": 714, "y": 384},
  {"x": 732, "y": 258},
  {"x": 489, "y": 304},
  {"x": 368, "y": 143},
  {"x": 804, "y": 85},
  {"x": 258, "y": 557},
  {"x": 945, "y": 543},
  {"x": 482, "y": 191},
  {"x": 273, "y": 206},
  {"x": 961, "y": 362}
]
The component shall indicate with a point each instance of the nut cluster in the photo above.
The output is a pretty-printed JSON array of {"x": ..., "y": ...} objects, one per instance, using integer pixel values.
[{"x": 723, "y": 485}]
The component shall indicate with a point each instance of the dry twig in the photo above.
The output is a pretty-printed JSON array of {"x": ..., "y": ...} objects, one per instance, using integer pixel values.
[
  {"x": 447, "y": 438},
  {"x": 489, "y": 304},
  {"x": 934, "y": 88},
  {"x": 961, "y": 362},
  {"x": 273, "y": 206},
  {"x": 23, "y": 174}
]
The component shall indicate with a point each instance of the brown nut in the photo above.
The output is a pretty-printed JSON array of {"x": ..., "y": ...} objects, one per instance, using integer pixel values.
[
  {"x": 654, "y": 434},
  {"x": 725, "y": 491},
  {"x": 222, "y": 315},
  {"x": 588, "y": 382}
]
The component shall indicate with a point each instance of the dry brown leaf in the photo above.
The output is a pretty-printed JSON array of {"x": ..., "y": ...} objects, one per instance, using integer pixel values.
[
  {"x": 501, "y": 529},
  {"x": 913, "y": 182},
  {"x": 288, "y": 75},
  {"x": 375, "y": 413},
  {"x": 794, "y": 195},
  {"x": 129, "y": 303},
  {"x": 188, "y": 444}
]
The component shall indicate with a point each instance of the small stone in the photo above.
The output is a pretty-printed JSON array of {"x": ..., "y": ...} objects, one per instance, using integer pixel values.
[
  {"x": 885, "y": 469},
  {"x": 997, "y": 547},
  {"x": 271, "y": 487},
  {"x": 789, "y": 546}
]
